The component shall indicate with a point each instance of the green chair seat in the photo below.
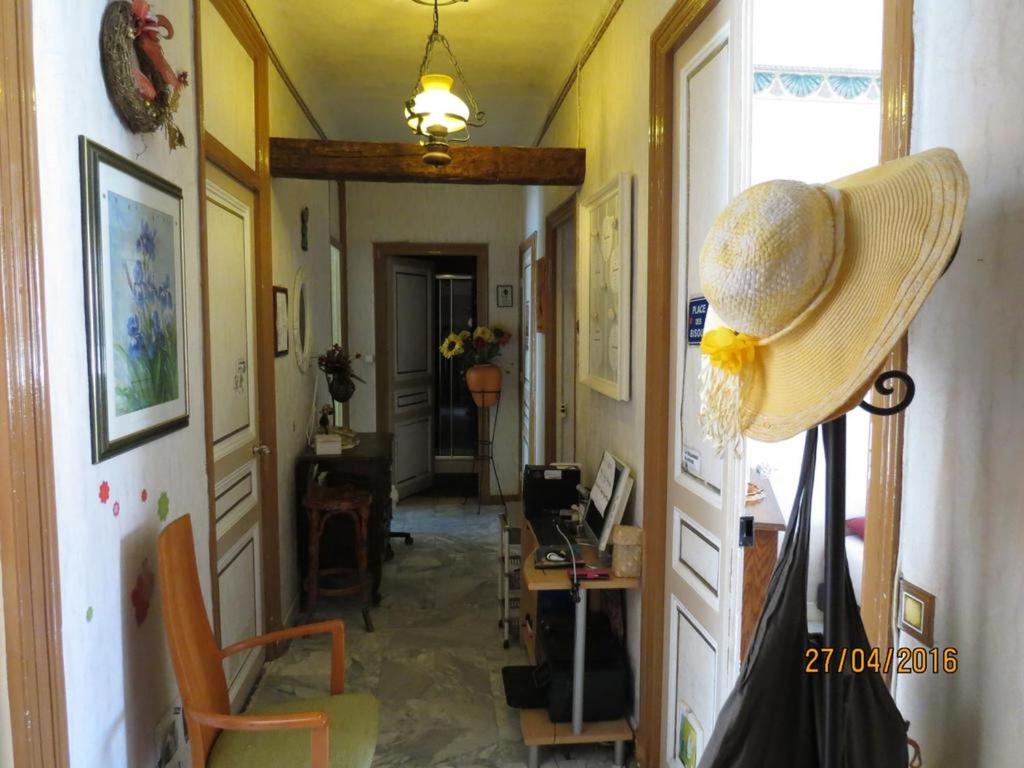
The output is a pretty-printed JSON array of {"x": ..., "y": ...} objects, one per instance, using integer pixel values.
[{"x": 354, "y": 720}]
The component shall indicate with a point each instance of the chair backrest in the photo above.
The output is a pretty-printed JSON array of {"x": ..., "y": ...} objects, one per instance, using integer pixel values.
[{"x": 194, "y": 651}]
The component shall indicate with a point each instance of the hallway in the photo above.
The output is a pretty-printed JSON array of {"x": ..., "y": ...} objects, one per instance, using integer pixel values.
[{"x": 435, "y": 659}]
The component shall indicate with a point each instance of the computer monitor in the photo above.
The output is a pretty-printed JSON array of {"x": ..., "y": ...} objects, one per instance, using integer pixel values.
[{"x": 604, "y": 507}]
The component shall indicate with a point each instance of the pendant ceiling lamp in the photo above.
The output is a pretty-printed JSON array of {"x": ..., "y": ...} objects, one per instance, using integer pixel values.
[{"x": 434, "y": 112}]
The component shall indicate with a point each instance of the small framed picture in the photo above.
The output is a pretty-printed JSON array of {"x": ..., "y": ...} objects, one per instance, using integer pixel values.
[
  {"x": 504, "y": 295},
  {"x": 280, "y": 321},
  {"x": 135, "y": 302}
]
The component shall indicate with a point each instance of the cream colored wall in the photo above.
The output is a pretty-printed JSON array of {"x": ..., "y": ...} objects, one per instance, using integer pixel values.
[
  {"x": 117, "y": 673},
  {"x": 229, "y": 96},
  {"x": 962, "y": 515},
  {"x": 294, "y": 389},
  {"x": 613, "y": 93},
  {"x": 431, "y": 213}
]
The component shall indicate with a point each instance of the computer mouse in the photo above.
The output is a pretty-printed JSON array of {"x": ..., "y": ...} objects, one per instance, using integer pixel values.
[{"x": 555, "y": 557}]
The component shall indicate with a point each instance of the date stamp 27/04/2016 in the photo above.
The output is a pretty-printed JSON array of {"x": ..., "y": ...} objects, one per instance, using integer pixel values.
[{"x": 904, "y": 661}]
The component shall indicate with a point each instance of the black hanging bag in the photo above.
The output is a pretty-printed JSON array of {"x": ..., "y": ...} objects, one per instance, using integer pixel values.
[{"x": 774, "y": 717}]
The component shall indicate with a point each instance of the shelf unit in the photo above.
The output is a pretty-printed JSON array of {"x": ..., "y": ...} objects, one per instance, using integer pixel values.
[{"x": 509, "y": 578}]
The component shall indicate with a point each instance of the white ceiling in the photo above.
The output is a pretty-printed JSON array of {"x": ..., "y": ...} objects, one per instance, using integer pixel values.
[{"x": 355, "y": 62}]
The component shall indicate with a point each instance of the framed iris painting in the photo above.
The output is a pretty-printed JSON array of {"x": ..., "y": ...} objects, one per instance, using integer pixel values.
[{"x": 135, "y": 300}]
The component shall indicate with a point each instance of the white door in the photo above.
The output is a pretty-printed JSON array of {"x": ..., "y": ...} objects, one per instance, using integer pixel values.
[
  {"x": 411, "y": 309},
  {"x": 702, "y": 502},
  {"x": 567, "y": 328},
  {"x": 527, "y": 353},
  {"x": 237, "y": 449}
]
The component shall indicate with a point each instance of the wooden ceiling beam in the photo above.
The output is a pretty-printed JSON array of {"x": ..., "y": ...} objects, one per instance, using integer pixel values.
[{"x": 471, "y": 164}]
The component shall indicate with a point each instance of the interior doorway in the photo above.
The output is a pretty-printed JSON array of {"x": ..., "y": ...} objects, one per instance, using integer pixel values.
[
  {"x": 815, "y": 116},
  {"x": 423, "y": 292},
  {"x": 562, "y": 339},
  {"x": 660, "y": 710}
]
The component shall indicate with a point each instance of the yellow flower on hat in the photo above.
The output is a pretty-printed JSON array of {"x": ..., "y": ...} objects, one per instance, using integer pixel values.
[
  {"x": 451, "y": 346},
  {"x": 727, "y": 349}
]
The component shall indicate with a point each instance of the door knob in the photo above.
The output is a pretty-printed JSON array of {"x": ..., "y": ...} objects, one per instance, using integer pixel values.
[{"x": 261, "y": 450}]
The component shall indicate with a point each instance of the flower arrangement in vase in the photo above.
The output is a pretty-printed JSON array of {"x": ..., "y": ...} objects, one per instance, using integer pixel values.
[
  {"x": 341, "y": 379},
  {"x": 476, "y": 350}
]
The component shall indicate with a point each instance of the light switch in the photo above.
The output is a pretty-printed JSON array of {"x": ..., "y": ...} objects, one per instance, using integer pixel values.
[{"x": 917, "y": 612}]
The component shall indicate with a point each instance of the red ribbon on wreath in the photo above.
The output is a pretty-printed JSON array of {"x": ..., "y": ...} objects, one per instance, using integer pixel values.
[{"x": 150, "y": 29}]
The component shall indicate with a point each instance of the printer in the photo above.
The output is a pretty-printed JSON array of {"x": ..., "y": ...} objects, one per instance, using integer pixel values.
[{"x": 549, "y": 488}]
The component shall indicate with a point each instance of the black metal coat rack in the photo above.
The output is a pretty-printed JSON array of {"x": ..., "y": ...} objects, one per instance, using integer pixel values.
[
  {"x": 835, "y": 550},
  {"x": 484, "y": 458}
]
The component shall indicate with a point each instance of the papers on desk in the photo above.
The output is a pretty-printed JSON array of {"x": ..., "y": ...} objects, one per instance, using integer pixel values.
[
  {"x": 604, "y": 485},
  {"x": 327, "y": 445}
]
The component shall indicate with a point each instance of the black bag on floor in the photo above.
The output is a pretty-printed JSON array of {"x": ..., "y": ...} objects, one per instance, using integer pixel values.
[
  {"x": 774, "y": 716},
  {"x": 606, "y": 675}
]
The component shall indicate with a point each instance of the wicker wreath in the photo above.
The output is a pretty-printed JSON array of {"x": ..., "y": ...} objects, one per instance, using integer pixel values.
[{"x": 120, "y": 58}]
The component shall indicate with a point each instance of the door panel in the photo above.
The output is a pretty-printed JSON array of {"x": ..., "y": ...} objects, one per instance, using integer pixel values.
[
  {"x": 527, "y": 356},
  {"x": 411, "y": 305},
  {"x": 702, "y": 521},
  {"x": 239, "y": 580},
  {"x": 566, "y": 300},
  {"x": 237, "y": 449},
  {"x": 232, "y": 332}
]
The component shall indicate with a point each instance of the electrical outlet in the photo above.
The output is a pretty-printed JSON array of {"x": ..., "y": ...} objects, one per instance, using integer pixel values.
[{"x": 170, "y": 740}]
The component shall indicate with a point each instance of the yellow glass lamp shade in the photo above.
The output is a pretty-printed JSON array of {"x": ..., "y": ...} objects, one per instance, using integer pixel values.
[{"x": 436, "y": 111}]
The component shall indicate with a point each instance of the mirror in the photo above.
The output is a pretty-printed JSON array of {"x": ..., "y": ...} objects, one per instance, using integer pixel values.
[{"x": 302, "y": 321}]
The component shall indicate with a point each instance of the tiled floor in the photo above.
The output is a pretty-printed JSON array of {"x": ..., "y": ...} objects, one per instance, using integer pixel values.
[{"x": 435, "y": 659}]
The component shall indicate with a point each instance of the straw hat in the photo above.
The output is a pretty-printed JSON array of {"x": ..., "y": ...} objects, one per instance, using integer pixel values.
[{"x": 814, "y": 286}]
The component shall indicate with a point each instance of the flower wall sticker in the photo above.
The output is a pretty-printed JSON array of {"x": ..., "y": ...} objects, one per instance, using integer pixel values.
[
  {"x": 104, "y": 492},
  {"x": 163, "y": 506},
  {"x": 117, "y": 508},
  {"x": 142, "y": 593},
  {"x": 144, "y": 495},
  {"x": 89, "y": 614}
]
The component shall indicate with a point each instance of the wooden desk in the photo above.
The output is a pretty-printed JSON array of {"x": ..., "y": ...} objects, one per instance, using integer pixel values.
[
  {"x": 545, "y": 579},
  {"x": 537, "y": 728},
  {"x": 370, "y": 460}
]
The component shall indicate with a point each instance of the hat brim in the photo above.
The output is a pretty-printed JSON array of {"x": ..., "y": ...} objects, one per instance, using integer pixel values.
[{"x": 903, "y": 221}]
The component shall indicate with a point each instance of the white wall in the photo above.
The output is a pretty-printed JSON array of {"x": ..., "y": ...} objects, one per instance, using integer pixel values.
[
  {"x": 117, "y": 674},
  {"x": 614, "y": 95},
  {"x": 437, "y": 213},
  {"x": 293, "y": 388},
  {"x": 962, "y": 521}
]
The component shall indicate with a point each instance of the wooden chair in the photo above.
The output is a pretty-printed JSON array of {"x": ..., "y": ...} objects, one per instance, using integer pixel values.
[
  {"x": 339, "y": 498},
  {"x": 336, "y": 731}
]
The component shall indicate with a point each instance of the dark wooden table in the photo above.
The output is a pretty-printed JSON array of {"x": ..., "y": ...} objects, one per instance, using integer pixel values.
[{"x": 371, "y": 462}]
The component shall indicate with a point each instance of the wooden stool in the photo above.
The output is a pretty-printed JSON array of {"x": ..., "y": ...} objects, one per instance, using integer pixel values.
[{"x": 323, "y": 504}]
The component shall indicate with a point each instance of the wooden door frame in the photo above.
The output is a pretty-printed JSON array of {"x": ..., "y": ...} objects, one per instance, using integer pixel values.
[
  {"x": 341, "y": 243},
  {"x": 28, "y": 511},
  {"x": 886, "y": 434},
  {"x": 560, "y": 216},
  {"x": 382, "y": 252},
  {"x": 677, "y": 26},
  {"x": 241, "y": 23},
  {"x": 529, "y": 243}
]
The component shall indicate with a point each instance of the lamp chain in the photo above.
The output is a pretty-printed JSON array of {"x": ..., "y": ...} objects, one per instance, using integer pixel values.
[{"x": 428, "y": 54}]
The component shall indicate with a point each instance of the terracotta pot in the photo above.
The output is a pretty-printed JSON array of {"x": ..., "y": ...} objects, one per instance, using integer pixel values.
[{"x": 484, "y": 382}]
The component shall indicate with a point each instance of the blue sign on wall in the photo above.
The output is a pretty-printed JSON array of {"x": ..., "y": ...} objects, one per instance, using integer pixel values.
[{"x": 696, "y": 315}]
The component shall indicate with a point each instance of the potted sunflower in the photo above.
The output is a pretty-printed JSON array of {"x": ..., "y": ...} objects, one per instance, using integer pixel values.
[{"x": 475, "y": 350}]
